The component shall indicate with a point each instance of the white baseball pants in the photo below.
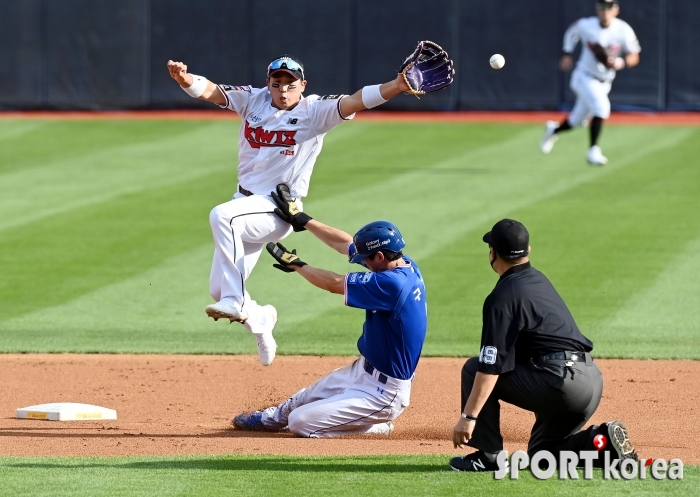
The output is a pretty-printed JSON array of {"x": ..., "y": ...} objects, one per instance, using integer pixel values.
[
  {"x": 347, "y": 401},
  {"x": 591, "y": 98},
  {"x": 241, "y": 228}
]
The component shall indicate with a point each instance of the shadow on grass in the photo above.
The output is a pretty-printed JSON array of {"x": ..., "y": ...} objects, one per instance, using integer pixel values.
[{"x": 262, "y": 463}]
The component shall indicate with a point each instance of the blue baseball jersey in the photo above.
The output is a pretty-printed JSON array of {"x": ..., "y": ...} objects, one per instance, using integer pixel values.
[{"x": 396, "y": 319}]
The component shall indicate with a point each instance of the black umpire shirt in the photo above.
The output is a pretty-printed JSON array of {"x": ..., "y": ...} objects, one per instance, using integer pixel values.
[{"x": 525, "y": 317}]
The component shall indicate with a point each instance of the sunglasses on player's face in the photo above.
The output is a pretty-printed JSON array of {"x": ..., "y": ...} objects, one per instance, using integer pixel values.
[{"x": 285, "y": 63}]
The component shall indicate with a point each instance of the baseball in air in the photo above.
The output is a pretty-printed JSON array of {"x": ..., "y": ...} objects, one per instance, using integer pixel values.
[{"x": 497, "y": 61}]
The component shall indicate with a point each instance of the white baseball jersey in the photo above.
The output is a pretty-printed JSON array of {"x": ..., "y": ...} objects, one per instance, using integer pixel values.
[
  {"x": 280, "y": 146},
  {"x": 618, "y": 38}
]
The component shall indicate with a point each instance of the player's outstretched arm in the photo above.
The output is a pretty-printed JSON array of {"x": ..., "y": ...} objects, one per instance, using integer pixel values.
[
  {"x": 323, "y": 279},
  {"x": 427, "y": 69},
  {"x": 289, "y": 262},
  {"x": 353, "y": 103},
  {"x": 336, "y": 239},
  {"x": 196, "y": 86}
]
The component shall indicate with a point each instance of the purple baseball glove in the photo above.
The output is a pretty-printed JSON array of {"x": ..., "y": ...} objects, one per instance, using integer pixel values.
[{"x": 427, "y": 69}]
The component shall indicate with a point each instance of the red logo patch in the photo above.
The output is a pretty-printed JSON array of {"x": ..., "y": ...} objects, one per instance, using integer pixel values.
[
  {"x": 260, "y": 137},
  {"x": 600, "y": 441}
]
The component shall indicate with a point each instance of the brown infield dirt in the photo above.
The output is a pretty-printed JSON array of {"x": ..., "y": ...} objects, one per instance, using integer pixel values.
[{"x": 182, "y": 404}]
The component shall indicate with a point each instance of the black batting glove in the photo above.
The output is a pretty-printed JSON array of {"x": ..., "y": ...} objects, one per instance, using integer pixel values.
[
  {"x": 287, "y": 208},
  {"x": 285, "y": 257}
]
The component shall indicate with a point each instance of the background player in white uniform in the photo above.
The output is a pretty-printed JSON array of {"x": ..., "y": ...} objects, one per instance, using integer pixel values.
[
  {"x": 280, "y": 137},
  {"x": 365, "y": 396},
  {"x": 608, "y": 45}
]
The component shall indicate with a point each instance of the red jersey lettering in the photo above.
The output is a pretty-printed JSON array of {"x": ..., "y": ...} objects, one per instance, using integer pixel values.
[{"x": 260, "y": 137}]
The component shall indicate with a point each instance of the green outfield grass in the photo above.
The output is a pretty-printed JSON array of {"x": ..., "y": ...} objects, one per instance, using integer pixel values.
[
  {"x": 255, "y": 476},
  {"x": 105, "y": 244}
]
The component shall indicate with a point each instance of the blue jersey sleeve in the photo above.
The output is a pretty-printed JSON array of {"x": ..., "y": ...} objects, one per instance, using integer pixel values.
[{"x": 373, "y": 291}]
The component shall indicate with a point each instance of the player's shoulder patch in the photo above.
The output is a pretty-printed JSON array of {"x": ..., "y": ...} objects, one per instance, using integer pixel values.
[
  {"x": 330, "y": 97},
  {"x": 488, "y": 354},
  {"x": 359, "y": 278},
  {"x": 237, "y": 88}
]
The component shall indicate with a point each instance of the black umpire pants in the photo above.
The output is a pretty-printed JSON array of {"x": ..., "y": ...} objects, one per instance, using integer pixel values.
[{"x": 562, "y": 398}]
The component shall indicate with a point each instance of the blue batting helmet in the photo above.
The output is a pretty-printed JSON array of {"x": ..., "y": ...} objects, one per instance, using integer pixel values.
[{"x": 376, "y": 236}]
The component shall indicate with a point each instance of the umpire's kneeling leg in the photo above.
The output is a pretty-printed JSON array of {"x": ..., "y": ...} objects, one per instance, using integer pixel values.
[{"x": 469, "y": 371}]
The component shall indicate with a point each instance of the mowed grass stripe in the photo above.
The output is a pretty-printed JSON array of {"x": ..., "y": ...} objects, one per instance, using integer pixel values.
[
  {"x": 72, "y": 180},
  {"x": 70, "y": 254},
  {"x": 664, "y": 316},
  {"x": 253, "y": 476},
  {"x": 31, "y": 143},
  {"x": 457, "y": 197}
]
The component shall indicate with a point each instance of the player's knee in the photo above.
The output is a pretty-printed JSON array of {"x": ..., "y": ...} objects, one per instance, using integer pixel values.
[
  {"x": 216, "y": 215},
  {"x": 298, "y": 423}
]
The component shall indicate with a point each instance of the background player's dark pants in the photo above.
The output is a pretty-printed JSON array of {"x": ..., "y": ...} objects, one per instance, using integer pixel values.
[{"x": 561, "y": 404}]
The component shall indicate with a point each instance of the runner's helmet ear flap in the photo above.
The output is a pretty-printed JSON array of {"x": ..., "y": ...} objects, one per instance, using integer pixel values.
[{"x": 376, "y": 236}]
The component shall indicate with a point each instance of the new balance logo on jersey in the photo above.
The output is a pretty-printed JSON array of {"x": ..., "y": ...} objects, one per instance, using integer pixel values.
[
  {"x": 237, "y": 88},
  {"x": 260, "y": 137},
  {"x": 293, "y": 121},
  {"x": 416, "y": 292}
]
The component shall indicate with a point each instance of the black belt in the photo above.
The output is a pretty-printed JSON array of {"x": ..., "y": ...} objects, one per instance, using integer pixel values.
[
  {"x": 370, "y": 370},
  {"x": 563, "y": 356},
  {"x": 244, "y": 191}
]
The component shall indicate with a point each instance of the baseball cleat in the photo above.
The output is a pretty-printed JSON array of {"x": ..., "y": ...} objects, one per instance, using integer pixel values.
[
  {"x": 595, "y": 156},
  {"x": 266, "y": 348},
  {"x": 475, "y": 461},
  {"x": 550, "y": 136},
  {"x": 252, "y": 421},
  {"x": 620, "y": 441},
  {"x": 226, "y": 310}
]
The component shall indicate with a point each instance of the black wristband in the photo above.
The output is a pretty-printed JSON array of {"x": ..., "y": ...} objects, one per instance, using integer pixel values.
[
  {"x": 469, "y": 418},
  {"x": 299, "y": 221},
  {"x": 302, "y": 218}
]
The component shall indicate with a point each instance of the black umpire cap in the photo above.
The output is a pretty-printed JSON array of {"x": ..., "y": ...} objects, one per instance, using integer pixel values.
[
  {"x": 607, "y": 3},
  {"x": 509, "y": 239}
]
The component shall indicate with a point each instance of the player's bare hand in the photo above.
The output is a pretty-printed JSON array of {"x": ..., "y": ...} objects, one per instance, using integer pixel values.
[
  {"x": 401, "y": 83},
  {"x": 566, "y": 63},
  {"x": 462, "y": 432},
  {"x": 178, "y": 71}
]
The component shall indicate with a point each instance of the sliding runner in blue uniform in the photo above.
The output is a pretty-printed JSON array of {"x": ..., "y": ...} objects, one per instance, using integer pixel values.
[{"x": 366, "y": 396}]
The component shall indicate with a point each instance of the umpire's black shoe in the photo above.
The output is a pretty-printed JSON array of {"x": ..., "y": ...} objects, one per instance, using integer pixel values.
[
  {"x": 620, "y": 446},
  {"x": 475, "y": 461}
]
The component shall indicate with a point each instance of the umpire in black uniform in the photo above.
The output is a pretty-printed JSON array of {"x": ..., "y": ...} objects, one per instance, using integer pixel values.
[{"x": 533, "y": 356}]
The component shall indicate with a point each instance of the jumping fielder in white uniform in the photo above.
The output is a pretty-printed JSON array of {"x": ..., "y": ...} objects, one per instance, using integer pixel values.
[
  {"x": 280, "y": 138},
  {"x": 608, "y": 45}
]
